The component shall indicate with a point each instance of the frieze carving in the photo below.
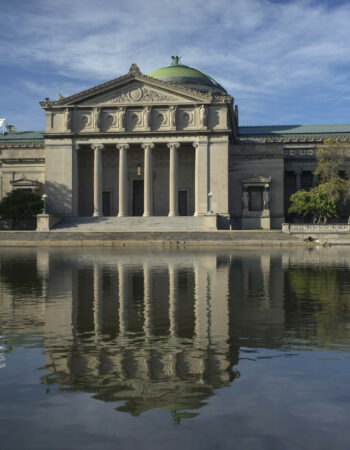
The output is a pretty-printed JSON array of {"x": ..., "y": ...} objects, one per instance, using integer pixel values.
[
  {"x": 299, "y": 153},
  {"x": 85, "y": 120},
  {"x": 6, "y": 145},
  {"x": 144, "y": 94},
  {"x": 111, "y": 120},
  {"x": 67, "y": 119},
  {"x": 134, "y": 94},
  {"x": 96, "y": 114},
  {"x": 172, "y": 116},
  {"x": 146, "y": 113},
  {"x": 121, "y": 118},
  {"x": 203, "y": 115},
  {"x": 292, "y": 139}
]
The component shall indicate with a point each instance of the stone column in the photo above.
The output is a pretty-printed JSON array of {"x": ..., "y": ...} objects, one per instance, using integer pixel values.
[
  {"x": 75, "y": 184},
  {"x": 123, "y": 180},
  {"x": 202, "y": 308},
  {"x": 298, "y": 180},
  {"x": 97, "y": 300},
  {"x": 173, "y": 180},
  {"x": 148, "y": 180},
  {"x": 201, "y": 178},
  {"x": 172, "y": 299},
  {"x": 123, "y": 298},
  {"x": 97, "y": 179},
  {"x": 147, "y": 298}
]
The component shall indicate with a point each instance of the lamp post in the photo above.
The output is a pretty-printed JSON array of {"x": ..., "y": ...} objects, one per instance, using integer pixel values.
[
  {"x": 44, "y": 197},
  {"x": 210, "y": 195}
]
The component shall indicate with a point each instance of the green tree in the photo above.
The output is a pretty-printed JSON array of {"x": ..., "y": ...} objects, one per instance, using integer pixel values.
[
  {"x": 18, "y": 205},
  {"x": 330, "y": 158},
  {"x": 323, "y": 201},
  {"x": 317, "y": 202}
]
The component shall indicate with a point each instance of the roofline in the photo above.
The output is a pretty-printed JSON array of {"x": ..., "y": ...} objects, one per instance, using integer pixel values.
[{"x": 133, "y": 74}]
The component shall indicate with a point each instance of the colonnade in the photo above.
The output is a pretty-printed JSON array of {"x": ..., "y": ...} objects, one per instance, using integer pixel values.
[{"x": 148, "y": 179}]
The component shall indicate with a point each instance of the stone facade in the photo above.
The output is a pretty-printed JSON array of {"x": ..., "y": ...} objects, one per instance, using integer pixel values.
[{"x": 138, "y": 145}]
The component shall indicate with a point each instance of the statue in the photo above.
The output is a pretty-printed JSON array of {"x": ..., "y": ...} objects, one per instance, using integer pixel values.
[
  {"x": 67, "y": 119},
  {"x": 245, "y": 200},
  {"x": 203, "y": 115},
  {"x": 121, "y": 118},
  {"x": 96, "y": 118},
  {"x": 266, "y": 199},
  {"x": 146, "y": 116},
  {"x": 172, "y": 116}
]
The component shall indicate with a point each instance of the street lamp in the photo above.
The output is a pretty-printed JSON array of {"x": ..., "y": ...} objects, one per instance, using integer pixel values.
[
  {"x": 44, "y": 197},
  {"x": 210, "y": 195}
]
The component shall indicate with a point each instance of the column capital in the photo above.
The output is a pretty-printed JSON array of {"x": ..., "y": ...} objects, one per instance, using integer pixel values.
[
  {"x": 147, "y": 145},
  {"x": 122, "y": 146},
  {"x": 97, "y": 146},
  {"x": 199, "y": 142},
  {"x": 173, "y": 145}
]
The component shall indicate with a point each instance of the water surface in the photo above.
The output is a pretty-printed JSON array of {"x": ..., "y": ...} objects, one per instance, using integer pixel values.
[{"x": 105, "y": 348}]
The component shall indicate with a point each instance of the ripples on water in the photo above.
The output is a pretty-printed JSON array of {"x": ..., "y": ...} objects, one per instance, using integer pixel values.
[{"x": 241, "y": 349}]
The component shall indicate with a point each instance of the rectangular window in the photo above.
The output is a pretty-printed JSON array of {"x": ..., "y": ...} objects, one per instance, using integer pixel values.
[{"x": 255, "y": 199}]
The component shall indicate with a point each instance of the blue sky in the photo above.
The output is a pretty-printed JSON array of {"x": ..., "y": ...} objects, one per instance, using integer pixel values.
[{"x": 284, "y": 62}]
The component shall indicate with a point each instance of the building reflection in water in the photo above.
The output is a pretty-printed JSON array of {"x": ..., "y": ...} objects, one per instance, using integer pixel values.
[
  {"x": 153, "y": 334},
  {"x": 163, "y": 332}
]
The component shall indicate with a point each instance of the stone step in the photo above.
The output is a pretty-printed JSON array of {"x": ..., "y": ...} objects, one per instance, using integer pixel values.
[{"x": 154, "y": 223}]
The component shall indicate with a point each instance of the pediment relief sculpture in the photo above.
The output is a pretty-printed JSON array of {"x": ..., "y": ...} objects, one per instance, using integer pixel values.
[{"x": 135, "y": 93}]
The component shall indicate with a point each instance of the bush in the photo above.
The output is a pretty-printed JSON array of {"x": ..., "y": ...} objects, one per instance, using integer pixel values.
[{"x": 18, "y": 205}]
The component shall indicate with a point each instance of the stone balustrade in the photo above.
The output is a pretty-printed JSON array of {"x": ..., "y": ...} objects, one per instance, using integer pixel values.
[{"x": 302, "y": 228}]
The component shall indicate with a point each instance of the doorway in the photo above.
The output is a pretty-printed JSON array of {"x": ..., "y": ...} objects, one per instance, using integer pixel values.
[
  {"x": 106, "y": 203},
  {"x": 183, "y": 203},
  {"x": 137, "y": 198}
]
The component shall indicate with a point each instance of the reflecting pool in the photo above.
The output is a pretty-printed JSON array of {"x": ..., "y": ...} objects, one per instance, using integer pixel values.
[{"x": 168, "y": 348}]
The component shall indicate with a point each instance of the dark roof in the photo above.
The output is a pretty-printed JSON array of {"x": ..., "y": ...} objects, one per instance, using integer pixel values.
[
  {"x": 22, "y": 136},
  {"x": 295, "y": 130}
]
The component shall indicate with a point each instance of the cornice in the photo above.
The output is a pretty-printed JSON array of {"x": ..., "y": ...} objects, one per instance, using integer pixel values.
[
  {"x": 292, "y": 139},
  {"x": 23, "y": 160},
  {"x": 128, "y": 135},
  {"x": 5, "y": 145}
]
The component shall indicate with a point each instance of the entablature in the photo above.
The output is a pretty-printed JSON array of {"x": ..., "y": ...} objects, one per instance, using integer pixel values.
[{"x": 138, "y": 118}]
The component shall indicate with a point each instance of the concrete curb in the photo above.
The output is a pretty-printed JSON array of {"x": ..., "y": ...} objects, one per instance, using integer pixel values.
[{"x": 148, "y": 238}]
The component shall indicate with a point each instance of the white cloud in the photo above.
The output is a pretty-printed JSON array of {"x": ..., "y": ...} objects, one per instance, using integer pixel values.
[{"x": 250, "y": 46}]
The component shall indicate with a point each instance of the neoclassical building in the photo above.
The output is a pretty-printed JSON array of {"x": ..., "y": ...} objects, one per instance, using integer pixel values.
[{"x": 166, "y": 146}]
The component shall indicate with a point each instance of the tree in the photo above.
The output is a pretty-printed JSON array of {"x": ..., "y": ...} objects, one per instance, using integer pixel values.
[
  {"x": 323, "y": 201},
  {"x": 18, "y": 205},
  {"x": 330, "y": 158},
  {"x": 317, "y": 202}
]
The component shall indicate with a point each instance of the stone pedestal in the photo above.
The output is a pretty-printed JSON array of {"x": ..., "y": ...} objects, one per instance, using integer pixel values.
[{"x": 44, "y": 222}]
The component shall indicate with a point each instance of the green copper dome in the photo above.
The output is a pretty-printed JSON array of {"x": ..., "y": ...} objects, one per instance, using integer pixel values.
[{"x": 186, "y": 76}]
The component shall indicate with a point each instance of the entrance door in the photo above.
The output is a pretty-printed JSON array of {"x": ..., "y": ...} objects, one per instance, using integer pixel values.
[
  {"x": 106, "y": 203},
  {"x": 137, "y": 198},
  {"x": 183, "y": 203}
]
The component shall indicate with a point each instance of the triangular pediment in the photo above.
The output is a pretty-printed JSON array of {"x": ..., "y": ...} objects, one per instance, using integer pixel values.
[
  {"x": 136, "y": 92},
  {"x": 132, "y": 88}
]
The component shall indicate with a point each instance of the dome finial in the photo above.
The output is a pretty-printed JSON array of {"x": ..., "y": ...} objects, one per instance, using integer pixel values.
[{"x": 176, "y": 60}]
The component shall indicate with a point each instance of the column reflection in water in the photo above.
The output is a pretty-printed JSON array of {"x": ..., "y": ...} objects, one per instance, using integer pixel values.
[{"x": 162, "y": 329}]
